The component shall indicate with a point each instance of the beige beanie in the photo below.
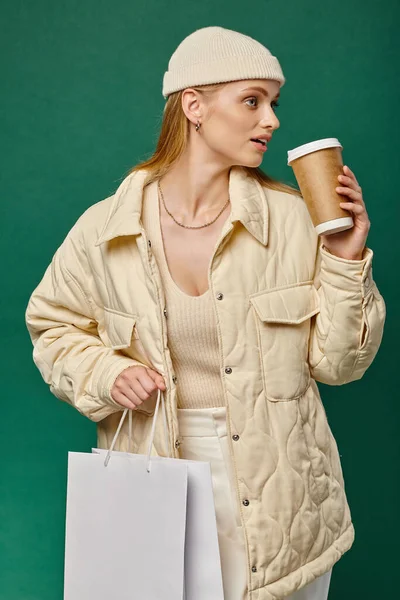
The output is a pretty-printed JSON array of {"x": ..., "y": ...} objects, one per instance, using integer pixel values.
[{"x": 215, "y": 55}]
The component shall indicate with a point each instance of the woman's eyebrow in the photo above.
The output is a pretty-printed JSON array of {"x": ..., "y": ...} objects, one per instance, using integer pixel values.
[{"x": 260, "y": 89}]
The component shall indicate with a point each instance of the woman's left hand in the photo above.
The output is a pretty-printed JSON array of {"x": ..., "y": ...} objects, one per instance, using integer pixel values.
[{"x": 350, "y": 244}]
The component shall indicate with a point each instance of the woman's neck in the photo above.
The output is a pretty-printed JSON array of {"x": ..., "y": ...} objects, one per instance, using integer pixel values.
[{"x": 194, "y": 190}]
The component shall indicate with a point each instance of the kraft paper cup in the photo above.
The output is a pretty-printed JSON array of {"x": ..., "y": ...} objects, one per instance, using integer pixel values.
[{"x": 316, "y": 166}]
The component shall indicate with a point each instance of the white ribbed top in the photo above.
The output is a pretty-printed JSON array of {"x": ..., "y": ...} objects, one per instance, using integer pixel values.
[{"x": 191, "y": 324}]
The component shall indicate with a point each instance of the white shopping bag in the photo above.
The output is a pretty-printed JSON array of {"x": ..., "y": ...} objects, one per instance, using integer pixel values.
[
  {"x": 159, "y": 542},
  {"x": 125, "y": 526},
  {"x": 203, "y": 577}
]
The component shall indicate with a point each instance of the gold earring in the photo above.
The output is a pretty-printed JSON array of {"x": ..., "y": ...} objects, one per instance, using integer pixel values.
[{"x": 198, "y": 126}]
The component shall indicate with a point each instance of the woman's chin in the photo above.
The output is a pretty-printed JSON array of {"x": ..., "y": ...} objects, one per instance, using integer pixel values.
[{"x": 254, "y": 162}]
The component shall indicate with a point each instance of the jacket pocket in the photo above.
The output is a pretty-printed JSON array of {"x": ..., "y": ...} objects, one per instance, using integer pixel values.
[
  {"x": 283, "y": 320},
  {"x": 120, "y": 328},
  {"x": 121, "y": 333}
]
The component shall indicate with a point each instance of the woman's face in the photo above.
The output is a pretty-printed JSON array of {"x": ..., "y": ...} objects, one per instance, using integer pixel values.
[{"x": 240, "y": 111}]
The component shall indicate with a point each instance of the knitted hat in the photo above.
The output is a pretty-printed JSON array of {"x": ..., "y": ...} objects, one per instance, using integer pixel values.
[{"x": 215, "y": 55}]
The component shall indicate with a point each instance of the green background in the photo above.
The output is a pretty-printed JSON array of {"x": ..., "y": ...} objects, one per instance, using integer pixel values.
[{"x": 81, "y": 103}]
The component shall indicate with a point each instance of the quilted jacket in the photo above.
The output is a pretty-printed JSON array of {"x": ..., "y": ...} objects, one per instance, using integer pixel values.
[{"x": 289, "y": 314}]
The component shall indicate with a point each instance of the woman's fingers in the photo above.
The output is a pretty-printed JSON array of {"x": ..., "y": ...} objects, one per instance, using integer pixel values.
[
  {"x": 356, "y": 208},
  {"x": 350, "y": 174},
  {"x": 142, "y": 385},
  {"x": 128, "y": 385},
  {"x": 135, "y": 385},
  {"x": 123, "y": 400},
  {"x": 157, "y": 378}
]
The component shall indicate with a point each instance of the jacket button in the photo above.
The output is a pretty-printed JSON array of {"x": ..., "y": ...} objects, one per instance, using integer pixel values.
[
  {"x": 228, "y": 370},
  {"x": 174, "y": 378},
  {"x": 149, "y": 243},
  {"x": 220, "y": 296},
  {"x": 235, "y": 437},
  {"x": 165, "y": 312},
  {"x": 246, "y": 502},
  {"x": 254, "y": 569},
  {"x": 177, "y": 443}
]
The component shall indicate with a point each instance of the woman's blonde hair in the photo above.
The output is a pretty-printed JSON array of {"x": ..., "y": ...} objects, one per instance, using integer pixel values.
[{"x": 174, "y": 137}]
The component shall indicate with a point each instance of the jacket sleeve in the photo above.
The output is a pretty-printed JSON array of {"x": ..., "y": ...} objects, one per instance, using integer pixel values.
[
  {"x": 67, "y": 349},
  {"x": 347, "y": 331}
]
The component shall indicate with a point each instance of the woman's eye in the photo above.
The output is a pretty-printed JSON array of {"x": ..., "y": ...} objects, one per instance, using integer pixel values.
[
  {"x": 251, "y": 99},
  {"x": 274, "y": 104}
]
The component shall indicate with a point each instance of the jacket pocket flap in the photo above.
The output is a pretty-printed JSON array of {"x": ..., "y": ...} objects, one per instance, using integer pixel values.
[
  {"x": 291, "y": 305},
  {"x": 119, "y": 327}
]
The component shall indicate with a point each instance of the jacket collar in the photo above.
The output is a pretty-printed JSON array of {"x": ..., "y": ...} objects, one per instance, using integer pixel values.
[{"x": 249, "y": 205}]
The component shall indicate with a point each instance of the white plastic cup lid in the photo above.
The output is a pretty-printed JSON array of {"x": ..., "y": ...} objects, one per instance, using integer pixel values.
[
  {"x": 335, "y": 225},
  {"x": 312, "y": 147}
]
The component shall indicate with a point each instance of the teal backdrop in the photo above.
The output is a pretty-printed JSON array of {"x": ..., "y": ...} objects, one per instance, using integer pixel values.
[{"x": 81, "y": 103}]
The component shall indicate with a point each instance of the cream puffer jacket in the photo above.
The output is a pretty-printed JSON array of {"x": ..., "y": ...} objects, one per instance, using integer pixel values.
[{"x": 289, "y": 314}]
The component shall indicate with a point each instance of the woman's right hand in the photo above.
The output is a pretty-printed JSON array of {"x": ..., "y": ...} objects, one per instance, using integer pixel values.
[{"x": 135, "y": 385}]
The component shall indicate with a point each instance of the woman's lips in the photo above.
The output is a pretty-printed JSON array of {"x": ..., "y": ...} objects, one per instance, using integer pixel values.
[{"x": 259, "y": 145}]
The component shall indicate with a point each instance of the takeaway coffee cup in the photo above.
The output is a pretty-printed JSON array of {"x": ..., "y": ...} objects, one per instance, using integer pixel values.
[{"x": 316, "y": 166}]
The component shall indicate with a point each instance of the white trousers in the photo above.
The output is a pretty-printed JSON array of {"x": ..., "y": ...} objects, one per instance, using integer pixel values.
[{"x": 204, "y": 436}]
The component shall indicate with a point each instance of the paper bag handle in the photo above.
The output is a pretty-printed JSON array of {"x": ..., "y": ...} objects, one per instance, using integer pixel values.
[{"x": 160, "y": 396}]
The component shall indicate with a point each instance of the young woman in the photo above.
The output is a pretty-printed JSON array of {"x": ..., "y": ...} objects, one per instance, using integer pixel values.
[{"x": 203, "y": 277}]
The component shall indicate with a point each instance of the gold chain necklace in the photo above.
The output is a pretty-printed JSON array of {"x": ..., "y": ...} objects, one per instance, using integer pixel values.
[{"x": 191, "y": 226}]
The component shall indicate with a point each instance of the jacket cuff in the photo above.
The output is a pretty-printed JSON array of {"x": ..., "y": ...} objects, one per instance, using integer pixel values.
[
  {"x": 109, "y": 375},
  {"x": 350, "y": 275}
]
